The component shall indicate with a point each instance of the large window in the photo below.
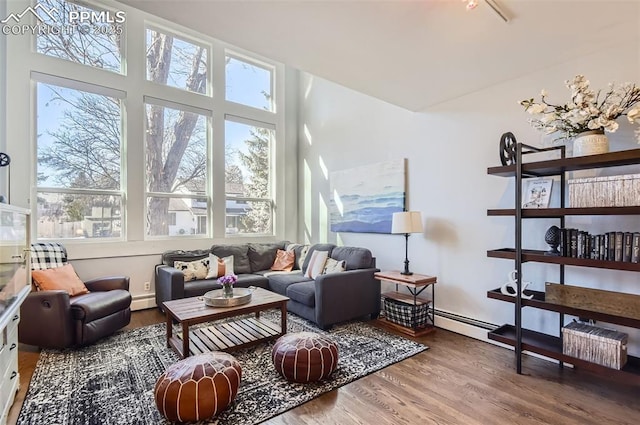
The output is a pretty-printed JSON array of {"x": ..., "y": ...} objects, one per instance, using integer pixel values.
[
  {"x": 131, "y": 125},
  {"x": 95, "y": 42},
  {"x": 176, "y": 170},
  {"x": 79, "y": 172},
  {"x": 175, "y": 62},
  {"x": 249, "y": 83},
  {"x": 248, "y": 177}
]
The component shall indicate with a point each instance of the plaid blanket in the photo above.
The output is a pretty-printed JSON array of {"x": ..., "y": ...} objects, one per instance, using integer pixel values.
[{"x": 45, "y": 255}]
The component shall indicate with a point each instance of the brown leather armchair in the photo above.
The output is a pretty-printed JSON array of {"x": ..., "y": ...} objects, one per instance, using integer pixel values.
[{"x": 53, "y": 319}]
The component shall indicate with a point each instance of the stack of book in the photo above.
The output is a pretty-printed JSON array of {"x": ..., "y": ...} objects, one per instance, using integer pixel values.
[{"x": 610, "y": 246}]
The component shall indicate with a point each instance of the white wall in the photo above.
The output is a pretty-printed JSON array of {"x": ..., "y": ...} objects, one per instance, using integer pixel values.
[{"x": 449, "y": 148}]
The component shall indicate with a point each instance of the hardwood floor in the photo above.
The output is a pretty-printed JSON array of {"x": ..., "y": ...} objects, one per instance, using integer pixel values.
[{"x": 459, "y": 380}]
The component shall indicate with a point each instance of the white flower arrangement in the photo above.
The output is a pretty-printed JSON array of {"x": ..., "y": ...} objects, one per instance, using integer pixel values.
[{"x": 587, "y": 110}]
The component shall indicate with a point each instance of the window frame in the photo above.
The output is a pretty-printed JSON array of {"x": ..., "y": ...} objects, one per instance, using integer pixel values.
[
  {"x": 259, "y": 64},
  {"x": 208, "y": 115},
  {"x": 97, "y": 7},
  {"x": 154, "y": 26},
  {"x": 133, "y": 83},
  {"x": 42, "y": 78},
  {"x": 271, "y": 199}
]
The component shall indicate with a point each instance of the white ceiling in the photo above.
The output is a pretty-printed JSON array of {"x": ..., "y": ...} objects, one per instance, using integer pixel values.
[{"x": 413, "y": 54}]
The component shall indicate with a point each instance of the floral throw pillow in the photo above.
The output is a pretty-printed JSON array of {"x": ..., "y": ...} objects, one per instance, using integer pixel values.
[
  {"x": 193, "y": 270},
  {"x": 334, "y": 266}
]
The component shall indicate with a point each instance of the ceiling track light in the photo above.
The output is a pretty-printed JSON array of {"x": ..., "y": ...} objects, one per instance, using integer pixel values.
[{"x": 472, "y": 4}]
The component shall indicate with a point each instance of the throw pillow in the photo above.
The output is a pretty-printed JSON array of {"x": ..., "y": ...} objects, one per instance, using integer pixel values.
[
  {"x": 284, "y": 261},
  {"x": 334, "y": 266},
  {"x": 300, "y": 251},
  {"x": 193, "y": 270},
  {"x": 219, "y": 266},
  {"x": 316, "y": 264},
  {"x": 64, "y": 278},
  {"x": 241, "y": 263},
  {"x": 262, "y": 255}
]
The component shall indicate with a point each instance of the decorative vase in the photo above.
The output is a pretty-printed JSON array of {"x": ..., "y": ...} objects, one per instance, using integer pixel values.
[
  {"x": 590, "y": 143},
  {"x": 552, "y": 238},
  {"x": 227, "y": 290}
]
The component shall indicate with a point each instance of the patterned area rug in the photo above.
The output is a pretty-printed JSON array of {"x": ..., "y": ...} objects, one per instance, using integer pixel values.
[{"x": 111, "y": 382}]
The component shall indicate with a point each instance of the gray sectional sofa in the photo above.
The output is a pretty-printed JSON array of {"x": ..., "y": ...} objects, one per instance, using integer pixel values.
[{"x": 326, "y": 300}]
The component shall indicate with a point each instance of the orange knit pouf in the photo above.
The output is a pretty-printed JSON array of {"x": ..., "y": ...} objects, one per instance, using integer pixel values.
[
  {"x": 198, "y": 387},
  {"x": 305, "y": 356}
]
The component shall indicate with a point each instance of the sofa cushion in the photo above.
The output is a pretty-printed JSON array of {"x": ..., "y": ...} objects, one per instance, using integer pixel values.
[
  {"x": 241, "y": 264},
  {"x": 284, "y": 261},
  {"x": 279, "y": 282},
  {"x": 64, "y": 278},
  {"x": 169, "y": 257},
  {"x": 317, "y": 247},
  {"x": 197, "y": 288},
  {"x": 354, "y": 257},
  {"x": 219, "y": 266},
  {"x": 316, "y": 264},
  {"x": 303, "y": 292},
  {"x": 262, "y": 255},
  {"x": 193, "y": 270},
  {"x": 300, "y": 252},
  {"x": 333, "y": 266}
]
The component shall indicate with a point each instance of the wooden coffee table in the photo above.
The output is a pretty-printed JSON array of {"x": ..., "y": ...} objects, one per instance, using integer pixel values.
[{"x": 227, "y": 336}]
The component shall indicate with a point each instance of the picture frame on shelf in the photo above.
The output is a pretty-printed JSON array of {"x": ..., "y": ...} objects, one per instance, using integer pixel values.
[{"x": 536, "y": 193}]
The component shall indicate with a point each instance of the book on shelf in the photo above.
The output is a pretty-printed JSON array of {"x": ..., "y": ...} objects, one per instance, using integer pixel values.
[
  {"x": 605, "y": 247},
  {"x": 635, "y": 248},
  {"x": 595, "y": 248},
  {"x": 580, "y": 244},
  {"x": 573, "y": 242},
  {"x": 563, "y": 242},
  {"x": 626, "y": 246},
  {"x": 611, "y": 253},
  {"x": 618, "y": 247}
]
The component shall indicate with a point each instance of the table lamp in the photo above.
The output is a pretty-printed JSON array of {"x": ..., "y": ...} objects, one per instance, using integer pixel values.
[{"x": 406, "y": 222}]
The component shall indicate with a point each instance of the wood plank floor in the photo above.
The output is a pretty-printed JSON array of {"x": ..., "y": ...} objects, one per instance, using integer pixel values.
[{"x": 459, "y": 380}]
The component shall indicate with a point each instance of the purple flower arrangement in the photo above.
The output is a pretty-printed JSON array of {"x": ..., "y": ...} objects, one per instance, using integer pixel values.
[{"x": 228, "y": 279}]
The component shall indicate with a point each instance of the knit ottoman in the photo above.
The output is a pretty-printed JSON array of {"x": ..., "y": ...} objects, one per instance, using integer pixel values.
[
  {"x": 305, "y": 356},
  {"x": 198, "y": 387}
]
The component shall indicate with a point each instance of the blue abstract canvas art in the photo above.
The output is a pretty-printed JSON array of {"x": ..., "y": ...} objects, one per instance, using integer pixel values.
[{"x": 364, "y": 199}]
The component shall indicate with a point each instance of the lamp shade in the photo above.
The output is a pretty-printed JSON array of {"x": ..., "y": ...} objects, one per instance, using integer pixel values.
[{"x": 406, "y": 222}]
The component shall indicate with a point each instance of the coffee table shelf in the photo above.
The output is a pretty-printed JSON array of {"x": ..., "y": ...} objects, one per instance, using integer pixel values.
[{"x": 228, "y": 336}]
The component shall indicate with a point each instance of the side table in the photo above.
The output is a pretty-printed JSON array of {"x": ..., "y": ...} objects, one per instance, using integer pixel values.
[{"x": 415, "y": 284}]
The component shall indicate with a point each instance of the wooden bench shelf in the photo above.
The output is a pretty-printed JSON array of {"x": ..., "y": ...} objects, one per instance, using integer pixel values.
[{"x": 538, "y": 301}]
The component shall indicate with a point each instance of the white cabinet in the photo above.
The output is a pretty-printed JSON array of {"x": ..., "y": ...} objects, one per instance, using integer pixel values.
[{"x": 15, "y": 285}]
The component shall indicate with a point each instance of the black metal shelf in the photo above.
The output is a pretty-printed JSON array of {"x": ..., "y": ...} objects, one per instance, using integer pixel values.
[
  {"x": 523, "y": 339},
  {"x": 551, "y": 346},
  {"x": 563, "y": 212},
  {"x": 541, "y": 257},
  {"x": 554, "y": 167}
]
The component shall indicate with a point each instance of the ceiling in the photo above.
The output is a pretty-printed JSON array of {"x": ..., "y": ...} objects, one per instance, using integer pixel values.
[{"x": 414, "y": 54}]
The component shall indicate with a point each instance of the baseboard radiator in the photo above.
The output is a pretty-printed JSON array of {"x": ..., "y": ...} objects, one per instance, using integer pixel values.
[
  {"x": 474, "y": 328},
  {"x": 465, "y": 320}
]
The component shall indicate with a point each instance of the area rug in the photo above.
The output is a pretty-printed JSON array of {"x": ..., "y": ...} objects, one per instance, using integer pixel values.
[{"x": 111, "y": 382}]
